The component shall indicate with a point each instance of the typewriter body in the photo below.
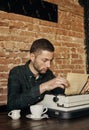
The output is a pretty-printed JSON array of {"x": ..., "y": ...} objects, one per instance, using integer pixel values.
[{"x": 66, "y": 107}]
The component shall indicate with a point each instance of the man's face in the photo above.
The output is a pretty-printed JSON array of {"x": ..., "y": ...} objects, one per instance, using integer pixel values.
[{"x": 41, "y": 62}]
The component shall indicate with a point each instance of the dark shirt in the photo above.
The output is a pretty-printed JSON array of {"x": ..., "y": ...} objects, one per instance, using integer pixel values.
[{"x": 23, "y": 87}]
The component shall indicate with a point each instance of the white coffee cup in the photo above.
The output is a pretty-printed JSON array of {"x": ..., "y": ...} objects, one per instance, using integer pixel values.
[
  {"x": 14, "y": 114},
  {"x": 37, "y": 110}
]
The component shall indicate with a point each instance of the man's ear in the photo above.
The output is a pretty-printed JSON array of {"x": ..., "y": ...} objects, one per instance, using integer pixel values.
[{"x": 32, "y": 57}]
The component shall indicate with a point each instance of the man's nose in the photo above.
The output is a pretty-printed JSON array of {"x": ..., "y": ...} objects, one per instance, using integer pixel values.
[{"x": 48, "y": 64}]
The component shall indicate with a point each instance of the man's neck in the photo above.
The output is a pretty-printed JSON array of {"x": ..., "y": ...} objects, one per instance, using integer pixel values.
[{"x": 36, "y": 74}]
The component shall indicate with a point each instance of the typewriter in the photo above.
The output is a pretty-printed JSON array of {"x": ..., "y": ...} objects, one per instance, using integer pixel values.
[
  {"x": 67, "y": 107},
  {"x": 74, "y": 103}
]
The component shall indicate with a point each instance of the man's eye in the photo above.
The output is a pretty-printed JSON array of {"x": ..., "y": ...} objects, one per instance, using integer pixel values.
[{"x": 44, "y": 60}]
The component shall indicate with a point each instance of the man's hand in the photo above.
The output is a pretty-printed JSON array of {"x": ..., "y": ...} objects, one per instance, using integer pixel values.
[{"x": 54, "y": 83}]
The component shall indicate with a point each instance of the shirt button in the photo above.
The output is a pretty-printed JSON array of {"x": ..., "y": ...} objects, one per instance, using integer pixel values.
[{"x": 39, "y": 97}]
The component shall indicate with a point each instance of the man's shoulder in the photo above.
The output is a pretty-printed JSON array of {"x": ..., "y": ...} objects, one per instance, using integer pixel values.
[{"x": 17, "y": 68}]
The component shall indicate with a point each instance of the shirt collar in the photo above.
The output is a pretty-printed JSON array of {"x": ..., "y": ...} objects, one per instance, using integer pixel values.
[{"x": 29, "y": 72}]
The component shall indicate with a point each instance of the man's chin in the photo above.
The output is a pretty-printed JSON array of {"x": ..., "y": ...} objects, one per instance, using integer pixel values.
[{"x": 43, "y": 71}]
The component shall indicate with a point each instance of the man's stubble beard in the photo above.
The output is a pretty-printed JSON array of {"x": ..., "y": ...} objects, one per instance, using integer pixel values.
[{"x": 36, "y": 67}]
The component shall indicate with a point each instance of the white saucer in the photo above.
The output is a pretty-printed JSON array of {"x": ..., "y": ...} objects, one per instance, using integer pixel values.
[{"x": 30, "y": 116}]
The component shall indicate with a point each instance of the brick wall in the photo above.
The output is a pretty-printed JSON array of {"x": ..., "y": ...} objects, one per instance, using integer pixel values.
[{"x": 17, "y": 32}]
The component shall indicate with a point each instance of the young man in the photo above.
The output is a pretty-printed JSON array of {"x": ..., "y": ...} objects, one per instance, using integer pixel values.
[{"x": 27, "y": 84}]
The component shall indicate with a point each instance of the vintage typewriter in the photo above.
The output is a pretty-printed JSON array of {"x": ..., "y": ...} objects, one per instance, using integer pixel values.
[{"x": 74, "y": 103}]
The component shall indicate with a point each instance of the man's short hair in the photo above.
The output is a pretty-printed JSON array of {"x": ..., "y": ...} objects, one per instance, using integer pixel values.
[{"x": 41, "y": 44}]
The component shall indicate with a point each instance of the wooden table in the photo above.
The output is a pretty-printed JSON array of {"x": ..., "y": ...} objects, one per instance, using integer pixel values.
[{"x": 6, "y": 123}]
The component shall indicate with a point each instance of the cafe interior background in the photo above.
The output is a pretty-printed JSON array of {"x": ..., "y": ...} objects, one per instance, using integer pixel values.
[{"x": 63, "y": 22}]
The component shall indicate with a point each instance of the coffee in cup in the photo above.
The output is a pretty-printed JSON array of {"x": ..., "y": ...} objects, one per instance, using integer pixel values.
[
  {"x": 14, "y": 114},
  {"x": 38, "y": 110}
]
